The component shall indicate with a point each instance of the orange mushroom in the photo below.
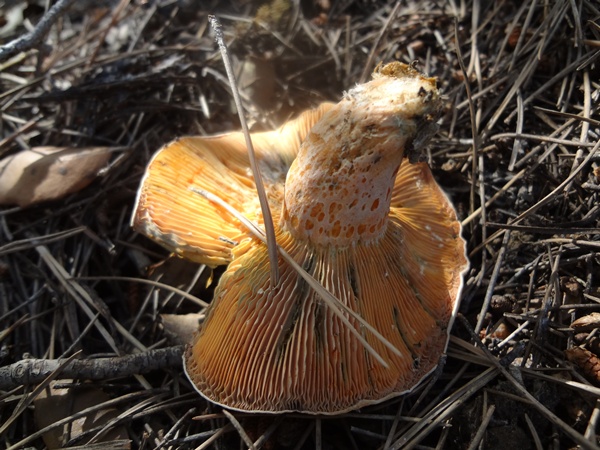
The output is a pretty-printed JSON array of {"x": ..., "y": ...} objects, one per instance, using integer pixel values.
[{"x": 375, "y": 230}]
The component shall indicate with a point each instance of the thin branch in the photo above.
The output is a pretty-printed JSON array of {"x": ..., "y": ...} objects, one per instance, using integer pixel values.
[
  {"x": 236, "y": 424},
  {"x": 45, "y": 378},
  {"x": 33, "y": 371},
  {"x": 34, "y": 37}
]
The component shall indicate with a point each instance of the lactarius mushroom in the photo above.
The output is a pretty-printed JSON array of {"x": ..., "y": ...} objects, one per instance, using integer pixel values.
[{"x": 374, "y": 229}]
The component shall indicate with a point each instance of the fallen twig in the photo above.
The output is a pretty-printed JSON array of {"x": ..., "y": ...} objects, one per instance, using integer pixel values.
[{"x": 32, "y": 371}]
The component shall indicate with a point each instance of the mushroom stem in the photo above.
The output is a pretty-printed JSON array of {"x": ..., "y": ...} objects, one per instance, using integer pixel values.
[
  {"x": 338, "y": 308},
  {"x": 338, "y": 190}
]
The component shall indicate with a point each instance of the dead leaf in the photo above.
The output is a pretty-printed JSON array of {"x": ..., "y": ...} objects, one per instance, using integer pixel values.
[
  {"x": 588, "y": 340},
  {"x": 501, "y": 332},
  {"x": 181, "y": 328},
  {"x": 586, "y": 361},
  {"x": 54, "y": 404},
  {"x": 586, "y": 323},
  {"x": 48, "y": 173},
  {"x": 572, "y": 289}
]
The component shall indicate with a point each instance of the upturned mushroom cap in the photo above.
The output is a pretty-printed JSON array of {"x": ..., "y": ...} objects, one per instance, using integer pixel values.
[
  {"x": 170, "y": 210},
  {"x": 383, "y": 238}
]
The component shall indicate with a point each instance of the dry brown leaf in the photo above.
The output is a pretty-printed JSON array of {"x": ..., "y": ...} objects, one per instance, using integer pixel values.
[
  {"x": 588, "y": 340},
  {"x": 586, "y": 361},
  {"x": 48, "y": 173},
  {"x": 502, "y": 331},
  {"x": 572, "y": 290},
  {"x": 54, "y": 404},
  {"x": 586, "y": 323}
]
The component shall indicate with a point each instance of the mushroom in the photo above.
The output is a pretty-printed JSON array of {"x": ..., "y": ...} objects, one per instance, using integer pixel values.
[{"x": 373, "y": 228}]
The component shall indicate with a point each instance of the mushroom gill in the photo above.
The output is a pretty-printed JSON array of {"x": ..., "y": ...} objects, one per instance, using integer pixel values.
[{"x": 374, "y": 229}]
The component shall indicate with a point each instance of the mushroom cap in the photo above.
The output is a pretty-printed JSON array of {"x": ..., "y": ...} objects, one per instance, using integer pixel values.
[
  {"x": 264, "y": 350},
  {"x": 281, "y": 349},
  {"x": 169, "y": 209}
]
